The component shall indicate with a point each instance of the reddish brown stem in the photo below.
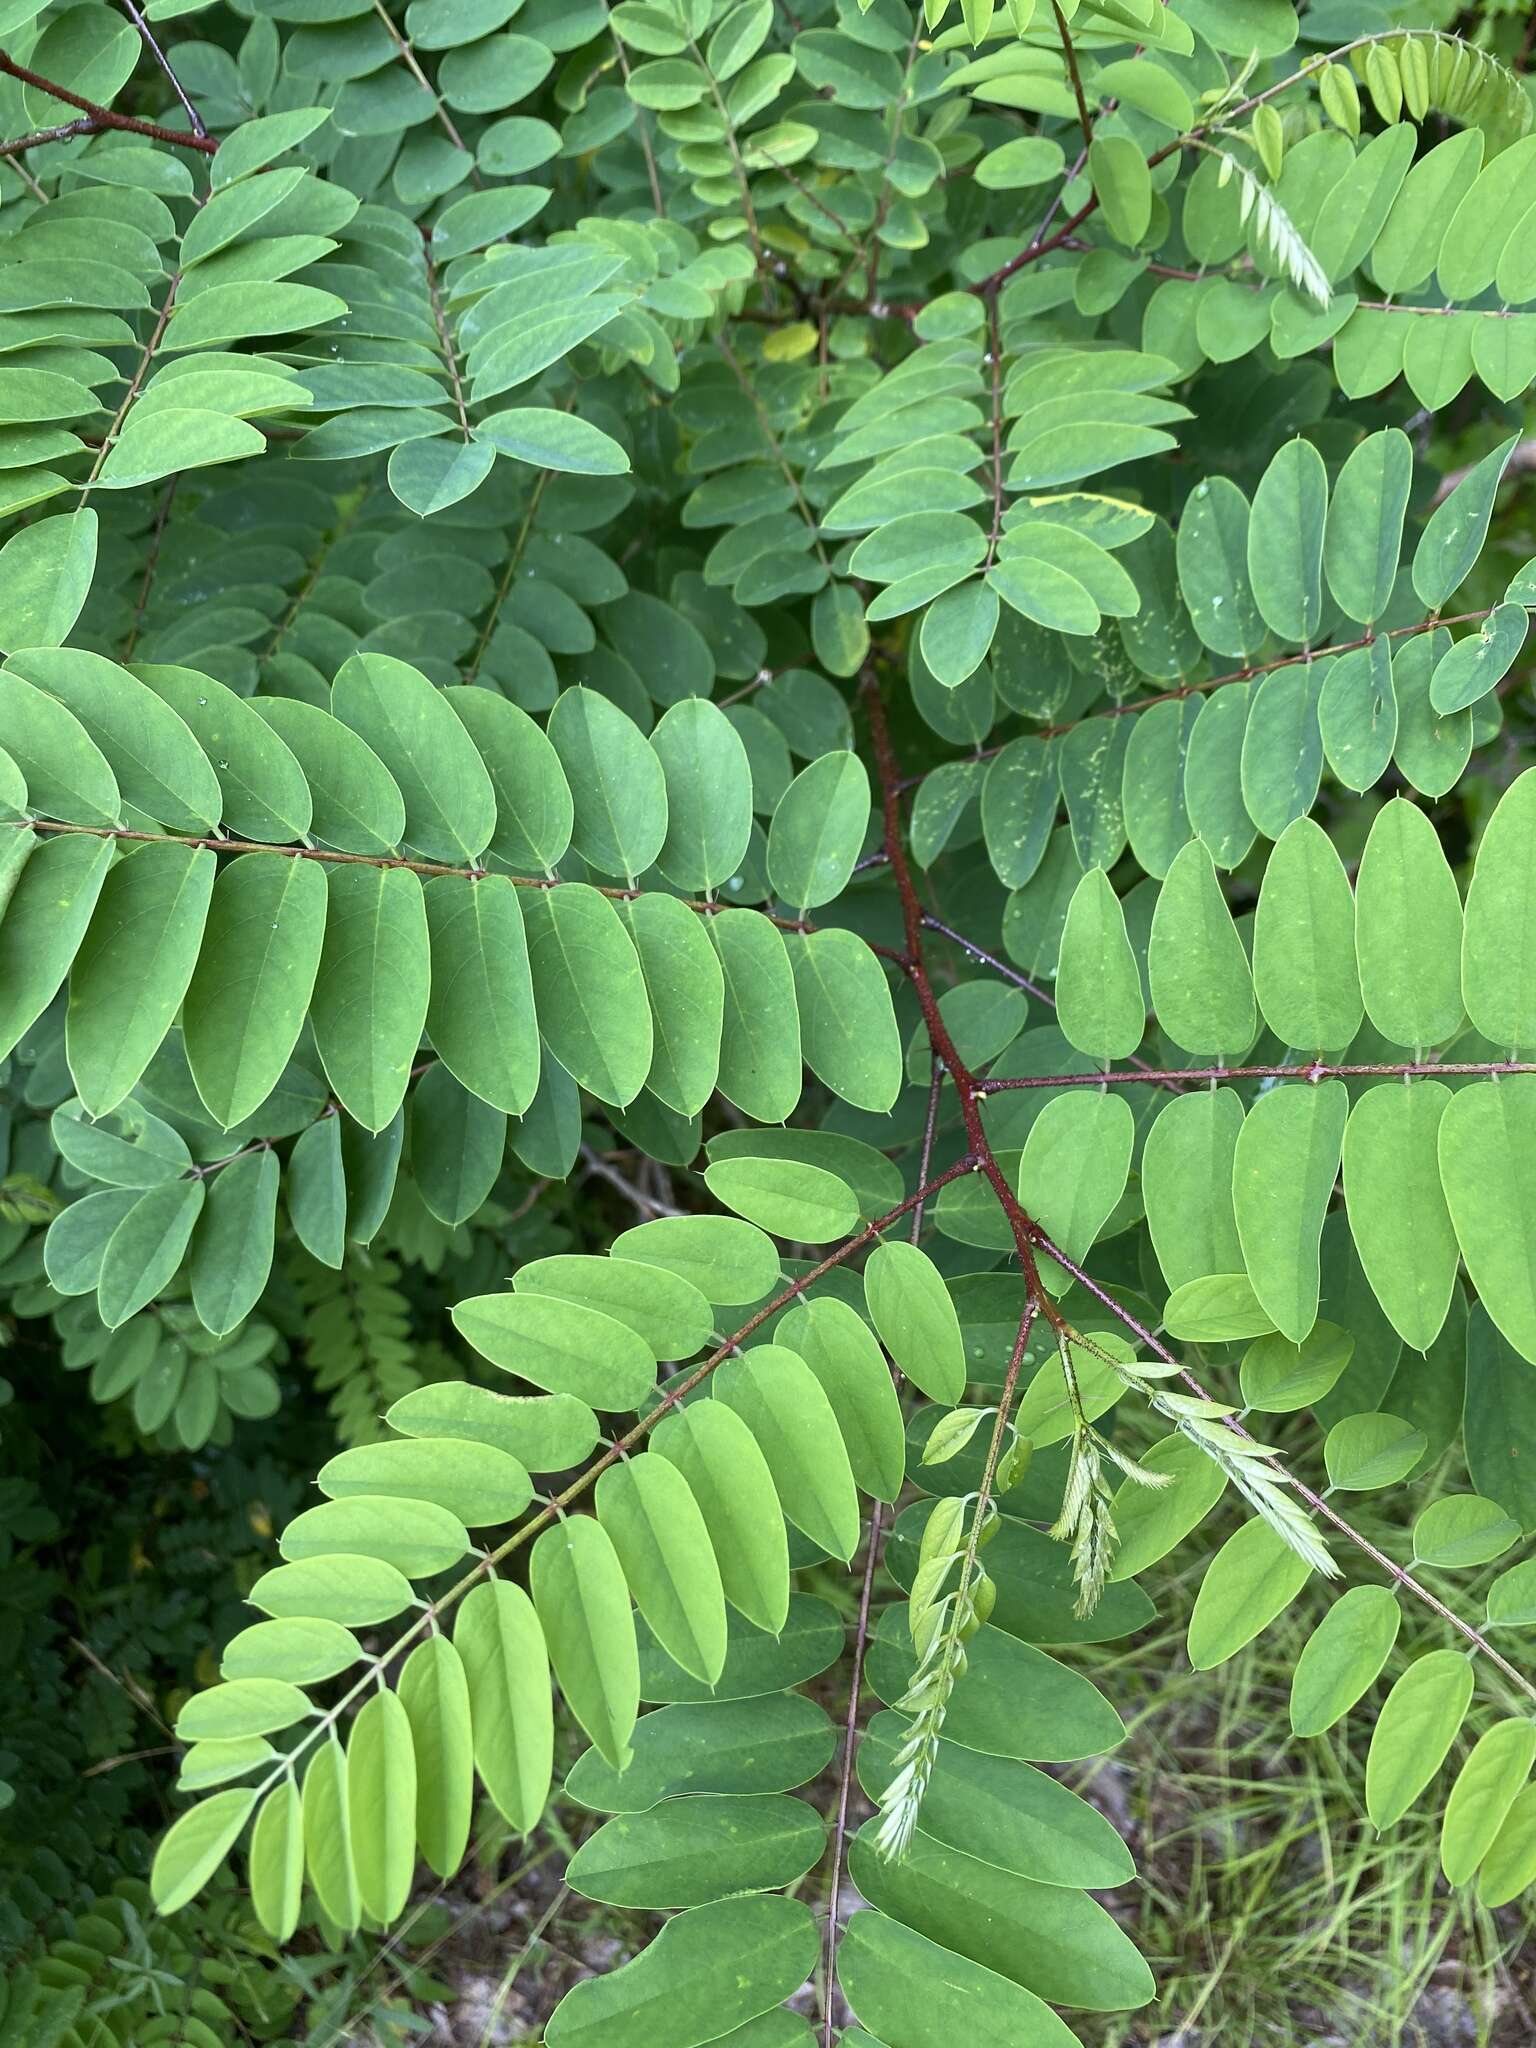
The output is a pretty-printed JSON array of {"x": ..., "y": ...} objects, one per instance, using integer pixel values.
[
  {"x": 104, "y": 117},
  {"x": 1316, "y": 1071}
]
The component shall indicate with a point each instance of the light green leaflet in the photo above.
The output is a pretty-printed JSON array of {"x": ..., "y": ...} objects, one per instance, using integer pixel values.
[
  {"x": 781, "y": 1401},
  {"x": 1343, "y": 1657},
  {"x": 1284, "y": 1168},
  {"x": 1252, "y": 1578},
  {"x": 915, "y": 1318},
  {"x": 1099, "y": 1003},
  {"x": 1397, "y": 1209},
  {"x": 732, "y": 1483},
  {"x": 1304, "y": 943},
  {"x": 506, "y": 1666},
  {"x": 381, "y": 1804},
  {"x": 1408, "y": 930},
  {"x": 1498, "y": 961},
  {"x": 647, "y": 1510},
  {"x": 1074, "y": 1168},
  {"x": 1186, "y": 1184},
  {"x": 818, "y": 831},
  {"x": 582, "y": 1604},
  {"x": 1414, "y": 1732},
  {"x": 1488, "y": 1171},
  {"x": 1202, "y": 987}
]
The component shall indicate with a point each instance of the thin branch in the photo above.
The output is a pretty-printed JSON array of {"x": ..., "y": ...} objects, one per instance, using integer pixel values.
[
  {"x": 1312, "y": 1073},
  {"x": 444, "y": 119},
  {"x": 104, "y": 117},
  {"x": 136, "y": 383},
  {"x": 151, "y": 563},
  {"x": 646, "y": 1204},
  {"x": 166, "y": 66},
  {"x": 785, "y": 465},
  {"x": 1069, "y": 51},
  {"x": 845, "y": 1765},
  {"x": 63, "y": 133},
  {"x": 445, "y": 335}
]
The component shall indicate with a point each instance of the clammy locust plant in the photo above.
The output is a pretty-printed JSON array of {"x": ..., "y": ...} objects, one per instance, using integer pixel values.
[{"x": 876, "y": 624}]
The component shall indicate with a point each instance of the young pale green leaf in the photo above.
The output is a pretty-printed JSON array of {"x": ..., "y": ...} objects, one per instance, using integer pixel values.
[
  {"x": 1343, "y": 1657},
  {"x": 544, "y": 1432},
  {"x": 563, "y": 1346},
  {"x": 506, "y": 1667},
  {"x": 1201, "y": 983},
  {"x": 303, "y": 1652},
  {"x": 1487, "y": 1148},
  {"x": 1510, "y": 1864},
  {"x": 1364, "y": 534},
  {"x": 1463, "y": 1529},
  {"x": 381, "y": 1805},
  {"x": 1217, "y": 1308},
  {"x": 1278, "y": 1377},
  {"x": 1186, "y": 1185},
  {"x": 1099, "y": 1003},
  {"x": 551, "y": 439},
  {"x": 328, "y": 1836},
  {"x": 662, "y": 1542},
  {"x": 1414, "y": 1732},
  {"x": 1252, "y": 1578},
  {"x": 241, "y": 1707},
  {"x": 354, "y": 1591},
  {"x": 1152, "y": 1520},
  {"x": 666, "y": 1312},
  {"x": 475, "y": 1482},
  {"x": 1486, "y": 1787},
  {"x": 196, "y": 1845},
  {"x": 818, "y": 831},
  {"x": 434, "y": 1694},
  {"x": 914, "y": 1315},
  {"x": 733, "y": 1486},
  {"x": 783, "y": 1404},
  {"x": 1367, "y": 1451},
  {"x": 1452, "y": 540},
  {"x": 1285, "y": 542},
  {"x": 1408, "y": 930},
  {"x": 729, "y": 1261},
  {"x": 418, "y": 1538},
  {"x": 277, "y": 1861},
  {"x": 848, "y": 1031},
  {"x": 1304, "y": 970},
  {"x": 1076, "y": 1161},
  {"x": 582, "y": 1604},
  {"x": 1397, "y": 1207},
  {"x": 1284, "y": 1167},
  {"x": 835, "y": 1342},
  {"x": 1498, "y": 967},
  {"x": 786, "y": 1196}
]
